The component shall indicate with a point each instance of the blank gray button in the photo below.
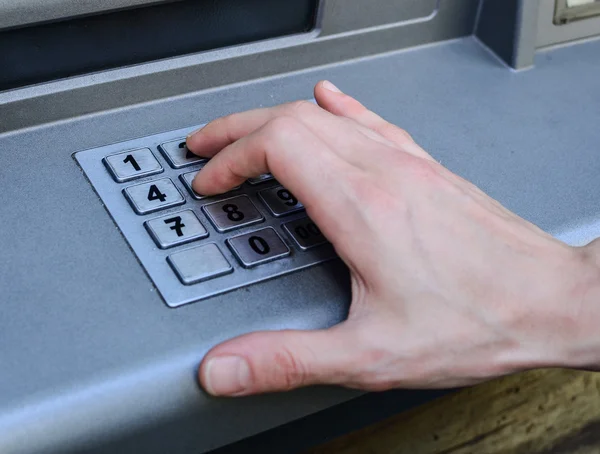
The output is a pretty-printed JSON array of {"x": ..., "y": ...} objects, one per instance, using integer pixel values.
[
  {"x": 258, "y": 247},
  {"x": 232, "y": 213},
  {"x": 260, "y": 179},
  {"x": 128, "y": 165},
  {"x": 178, "y": 155},
  {"x": 199, "y": 264},
  {"x": 305, "y": 233},
  {"x": 175, "y": 229},
  {"x": 280, "y": 201},
  {"x": 153, "y": 196}
]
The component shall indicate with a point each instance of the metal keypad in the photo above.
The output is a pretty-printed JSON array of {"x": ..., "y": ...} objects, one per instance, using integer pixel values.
[
  {"x": 175, "y": 229},
  {"x": 132, "y": 164},
  {"x": 232, "y": 213},
  {"x": 280, "y": 201},
  {"x": 256, "y": 248},
  {"x": 153, "y": 196},
  {"x": 195, "y": 247},
  {"x": 177, "y": 154}
]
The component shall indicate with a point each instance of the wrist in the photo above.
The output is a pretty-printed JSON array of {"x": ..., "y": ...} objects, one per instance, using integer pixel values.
[{"x": 581, "y": 307}]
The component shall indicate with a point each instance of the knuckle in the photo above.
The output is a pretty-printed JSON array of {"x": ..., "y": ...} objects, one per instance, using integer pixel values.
[
  {"x": 302, "y": 107},
  {"x": 280, "y": 128},
  {"x": 289, "y": 371}
]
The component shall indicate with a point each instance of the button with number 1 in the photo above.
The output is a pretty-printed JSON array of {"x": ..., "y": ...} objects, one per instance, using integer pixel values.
[
  {"x": 132, "y": 164},
  {"x": 153, "y": 196}
]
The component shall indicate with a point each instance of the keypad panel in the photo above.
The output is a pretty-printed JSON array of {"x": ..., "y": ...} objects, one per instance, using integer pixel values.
[{"x": 195, "y": 247}]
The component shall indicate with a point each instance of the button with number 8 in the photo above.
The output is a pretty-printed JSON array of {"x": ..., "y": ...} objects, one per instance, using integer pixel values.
[
  {"x": 232, "y": 213},
  {"x": 153, "y": 196},
  {"x": 258, "y": 247}
]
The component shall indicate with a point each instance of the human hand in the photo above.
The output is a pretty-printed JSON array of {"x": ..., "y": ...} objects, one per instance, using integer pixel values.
[{"x": 449, "y": 287}]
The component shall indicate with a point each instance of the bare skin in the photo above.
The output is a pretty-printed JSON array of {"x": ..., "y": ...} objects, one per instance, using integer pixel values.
[{"x": 449, "y": 287}]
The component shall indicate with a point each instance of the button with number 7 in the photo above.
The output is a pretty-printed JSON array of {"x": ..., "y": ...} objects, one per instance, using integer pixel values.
[
  {"x": 175, "y": 229},
  {"x": 153, "y": 196}
]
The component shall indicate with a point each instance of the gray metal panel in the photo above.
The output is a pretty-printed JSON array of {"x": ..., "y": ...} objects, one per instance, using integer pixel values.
[
  {"x": 342, "y": 16},
  {"x": 549, "y": 34},
  {"x": 14, "y": 13},
  {"x": 115, "y": 89},
  {"x": 89, "y": 352}
]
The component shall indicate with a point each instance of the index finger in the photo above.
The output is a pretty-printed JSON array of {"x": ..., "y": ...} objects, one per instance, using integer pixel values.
[{"x": 297, "y": 158}]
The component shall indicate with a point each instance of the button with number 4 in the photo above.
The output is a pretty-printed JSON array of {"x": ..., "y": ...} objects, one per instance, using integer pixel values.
[
  {"x": 175, "y": 229},
  {"x": 258, "y": 247},
  {"x": 128, "y": 165},
  {"x": 280, "y": 201},
  {"x": 232, "y": 213},
  {"x": 153, "y": 196}
]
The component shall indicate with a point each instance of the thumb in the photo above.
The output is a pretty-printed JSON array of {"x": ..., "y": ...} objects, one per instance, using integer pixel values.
[{"x": 276, "y": 361}]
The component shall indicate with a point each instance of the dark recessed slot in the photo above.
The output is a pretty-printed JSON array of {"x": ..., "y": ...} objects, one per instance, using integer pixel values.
[{"x": 83, "y": 45}]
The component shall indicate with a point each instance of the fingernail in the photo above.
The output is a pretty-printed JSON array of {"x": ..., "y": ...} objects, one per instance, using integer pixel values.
[
  {"x": 329, "y": 86},
  {"x": 227, "y": 376},
  {"x": 194, "y": 132}
]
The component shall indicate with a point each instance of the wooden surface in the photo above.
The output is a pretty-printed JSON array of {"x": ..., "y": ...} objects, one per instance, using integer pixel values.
[{"x": 539, "y": 412}]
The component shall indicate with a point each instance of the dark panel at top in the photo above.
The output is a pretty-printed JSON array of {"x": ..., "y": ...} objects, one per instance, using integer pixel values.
[{"x": 56, "y": 50}]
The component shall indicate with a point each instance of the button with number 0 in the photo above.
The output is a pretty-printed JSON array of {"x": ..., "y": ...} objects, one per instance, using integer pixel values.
[
  {"x": 305, "y": 233},
  {"x": 232, "y": 213},
  {"x": 258, "y": 247},
  {"x": 175, "y": 229},
  {"x": 178, "y": 155},
  {"x": 153, "y": 196},
  {"x": 280, "y": 201},
  {"x": 128, "y": 165}
]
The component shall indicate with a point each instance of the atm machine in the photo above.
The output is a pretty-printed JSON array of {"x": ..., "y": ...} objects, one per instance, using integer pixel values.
[{"x": 105, "y": 310}]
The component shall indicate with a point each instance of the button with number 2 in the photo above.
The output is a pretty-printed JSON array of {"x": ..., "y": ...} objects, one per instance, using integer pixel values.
[{"x": 153, "y": 196}]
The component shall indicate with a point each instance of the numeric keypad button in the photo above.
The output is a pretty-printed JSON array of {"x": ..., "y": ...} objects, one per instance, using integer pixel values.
[
  {"x": 199, "y": 264},
  {"x": 232, "y": 213},
  {"x": 153, "y": 196},
  {"x": 260, "y": 179},
  {"x": 132, "y": 164},
  {"x": 255, "y": 248},
  {"x": 305, "y": 233},
  {"x": 176, "y": 229},
  {"x": 280, "y": 201},
  {"x": 188, "y": 178},
  {"x": 178, "y": 155}
]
